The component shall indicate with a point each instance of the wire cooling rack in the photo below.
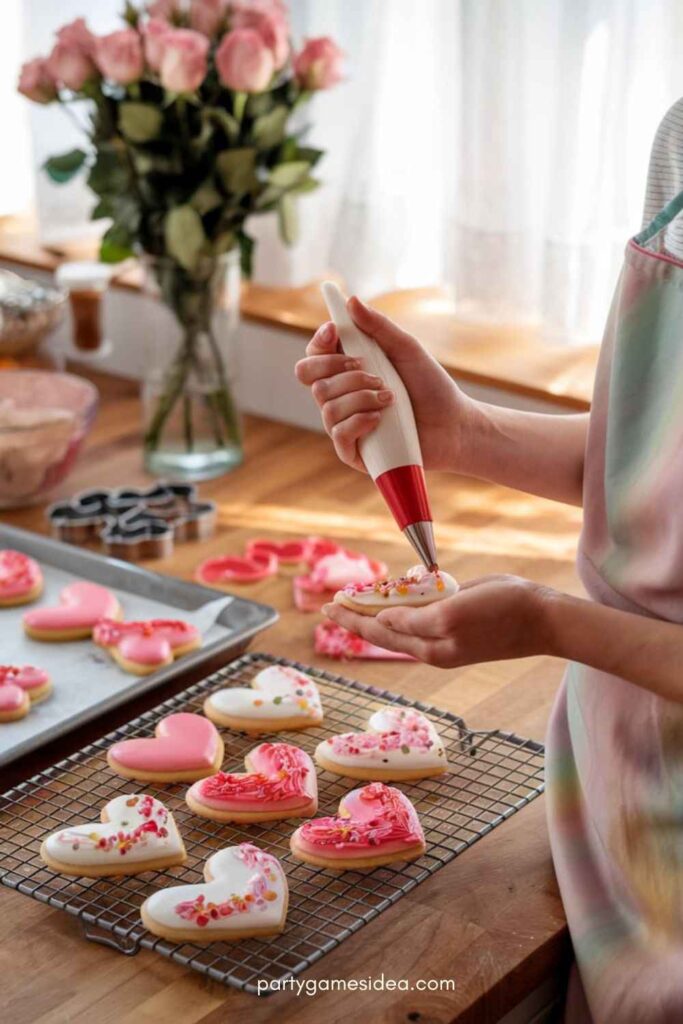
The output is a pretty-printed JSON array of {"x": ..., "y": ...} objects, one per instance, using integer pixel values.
[{"x": 492, "y": 775}]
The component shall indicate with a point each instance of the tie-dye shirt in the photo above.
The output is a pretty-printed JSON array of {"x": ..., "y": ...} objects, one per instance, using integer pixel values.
[{"x": 615, "y": 751}]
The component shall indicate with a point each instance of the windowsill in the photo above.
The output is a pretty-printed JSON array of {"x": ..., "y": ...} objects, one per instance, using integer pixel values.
[{"x": 506, "y": 357}]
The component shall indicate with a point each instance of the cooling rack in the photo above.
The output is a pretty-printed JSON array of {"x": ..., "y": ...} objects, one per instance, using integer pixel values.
[{"x": 492, "y": 775}]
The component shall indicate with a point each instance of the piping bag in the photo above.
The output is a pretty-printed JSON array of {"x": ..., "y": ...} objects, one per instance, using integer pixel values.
[{"x": 391, "y": 453}]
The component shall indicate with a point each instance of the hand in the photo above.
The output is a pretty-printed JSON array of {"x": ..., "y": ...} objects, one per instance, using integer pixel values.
[
  {"x": 351, "y": 400},
  {"x": 489, "y": 619}
]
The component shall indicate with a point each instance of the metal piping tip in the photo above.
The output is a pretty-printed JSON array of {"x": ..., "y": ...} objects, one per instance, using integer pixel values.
[{"x": 421, "y": 536}]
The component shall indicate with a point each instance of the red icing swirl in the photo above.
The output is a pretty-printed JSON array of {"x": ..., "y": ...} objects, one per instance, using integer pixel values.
[
  {"x": 287, "y": 778},
  {"x": 395, "y": 821}
]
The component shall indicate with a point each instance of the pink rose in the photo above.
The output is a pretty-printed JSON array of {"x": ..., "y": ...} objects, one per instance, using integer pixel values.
[
  {"x": 70, "y": 68},
  {"x": 119, "y": 56},
  {"x": 155, "y": 33},
  {"x": 270, "y": 22},
  {"x": 319, "y": 65},
  {"x": 244, "y": 61},
  {"x": 36, "y": 82},
  {"x": 165, "y": 9},
  {"x": 78, "y": 36},
  {"x": 207, "y": 16},
  {"x": 183, "y": 63}
]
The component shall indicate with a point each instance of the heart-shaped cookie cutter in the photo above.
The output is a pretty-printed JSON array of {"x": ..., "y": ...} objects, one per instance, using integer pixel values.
[{"x": 134, "y": 523}]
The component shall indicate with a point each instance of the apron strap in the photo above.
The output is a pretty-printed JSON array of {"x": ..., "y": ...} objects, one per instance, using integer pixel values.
[{"x": 663, "y": 218}]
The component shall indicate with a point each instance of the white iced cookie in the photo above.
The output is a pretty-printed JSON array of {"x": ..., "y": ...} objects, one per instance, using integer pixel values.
[
  {"x": 136, "y": 833},
  {"x": 279, "y": 698},
  {"x": 418, "y": 587},
  {"x": 400, "y": 744},
  {"x": 245, "y": 896}
]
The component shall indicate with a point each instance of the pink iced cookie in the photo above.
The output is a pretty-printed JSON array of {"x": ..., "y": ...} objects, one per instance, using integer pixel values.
[
  {"x": 21, "y": 579},
  {"x": 334, "y": 641},
  {"x": 292, "y": 555},
  {"x": 280, "y": 782},
  {"x": 81, "y": 606},
  {"x": 14, "y": 702},
  {"x": 331, "y": 573},
  {"x": 376, "y": 824},
  {"x": 144, "y": 647},
  {"x": 34, "y": 681},
  {"x": 226, "y": 570},
  {"x": 186, "y": 747}
]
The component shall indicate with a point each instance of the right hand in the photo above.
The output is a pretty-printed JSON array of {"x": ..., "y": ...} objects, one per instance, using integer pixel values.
[{"x": 351, "y": 400}]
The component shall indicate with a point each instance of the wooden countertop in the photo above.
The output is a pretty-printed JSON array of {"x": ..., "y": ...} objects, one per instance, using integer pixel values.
[{"x": 492, "y": 919}]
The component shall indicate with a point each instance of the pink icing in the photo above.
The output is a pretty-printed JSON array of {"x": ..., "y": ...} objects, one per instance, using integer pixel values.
[
  {"x": 81, "y": 605},
  {"x": 233, "y": 569},
  {"x": 411, "y": 732},
  {"x": 146, "y": 643},
  {"x": 287, "y": 551},
  {"x": 256, "y": 897},
  {"x": 26, "y": 676},
  {"x": 330, "y": 572},
  {"x": 282, "y": 775},
  {"x": 12, "y": 697},
  {"x": 334, "y": 641},
  {"x": 19, "y": 574},
  {"x": 183, "y": 742},
  {"x": 374, "y": 817}
]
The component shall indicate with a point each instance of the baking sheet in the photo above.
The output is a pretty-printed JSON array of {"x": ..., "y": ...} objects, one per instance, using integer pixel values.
[{"x": 86, "y": 680}]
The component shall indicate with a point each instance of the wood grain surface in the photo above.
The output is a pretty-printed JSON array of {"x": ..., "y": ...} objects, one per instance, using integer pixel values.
[{"x": 491, "y": 920}]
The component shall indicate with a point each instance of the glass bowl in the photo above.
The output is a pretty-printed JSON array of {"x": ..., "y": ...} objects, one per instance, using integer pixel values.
[{"x": 44, "y": 418}]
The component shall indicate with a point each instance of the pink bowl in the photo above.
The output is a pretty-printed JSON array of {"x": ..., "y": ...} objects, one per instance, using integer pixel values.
[{"x": 44, "y": 418}]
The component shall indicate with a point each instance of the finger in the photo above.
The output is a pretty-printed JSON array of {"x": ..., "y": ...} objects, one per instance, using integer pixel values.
[
  {"x": 431, "y": 621},
  {"x": 345, "y": 436},
  {"x": 370, "y": 629},
  {"x": 317, "y": 367},
  {"x": 340, "y": 409},
  {"x": 397, "y": 343},
  {"x": 324, "y": 341},
  {"x": 328, "y": 388}
]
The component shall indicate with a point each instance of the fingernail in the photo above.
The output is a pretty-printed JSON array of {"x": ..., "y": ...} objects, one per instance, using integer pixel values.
[
  {"x": 375, "y": 382},
  {"x": 351, "y": 364},
  {"x": 326, "y": 332},
  {"x": 385, "y": 397}
]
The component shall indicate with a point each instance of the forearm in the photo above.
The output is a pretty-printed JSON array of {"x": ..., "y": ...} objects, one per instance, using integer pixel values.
[
  {"x": 537, "y": 453},
  {"x": 644, "y": 651}
]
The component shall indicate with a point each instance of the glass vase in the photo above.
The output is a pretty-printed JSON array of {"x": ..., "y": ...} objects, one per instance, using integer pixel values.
[{"x": 192, "y": 427}]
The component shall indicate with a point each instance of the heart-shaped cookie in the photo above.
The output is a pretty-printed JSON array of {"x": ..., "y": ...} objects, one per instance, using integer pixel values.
[
  {"x": 143, "y": 647},
  {"x": 185, "y": 748},
  {"x": 35, "y": 681},
  {"x": 136, "y": 833},
  {"x": 15, "y": 702},
  {"x": 21, "y": 578},
  {"x": 280, "y": 782},
  {"x": 401, "y": 743},
  {"x": 81, "y": 606},
  {"x": 375, "y": 825},
  {"x": 418, "y": 587},
  {"x": 226, "y": 570},
  {"x": 280, "y": 698},
  {"x": 245, "y": 896},
  {"x": 291, "y": 555},
  {"x": 332, "y": 571}
]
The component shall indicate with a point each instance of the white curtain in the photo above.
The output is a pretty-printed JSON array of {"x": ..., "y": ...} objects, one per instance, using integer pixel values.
[{"x": 499, "y": 147}]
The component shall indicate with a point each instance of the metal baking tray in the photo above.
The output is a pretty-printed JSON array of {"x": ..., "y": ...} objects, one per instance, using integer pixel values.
[
  {"x": 492, "y": 775},
  {"x": 87, "y": 682}
]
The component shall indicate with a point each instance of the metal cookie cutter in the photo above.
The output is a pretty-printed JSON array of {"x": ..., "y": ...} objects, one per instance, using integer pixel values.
[{"x": 134, "y": 523}]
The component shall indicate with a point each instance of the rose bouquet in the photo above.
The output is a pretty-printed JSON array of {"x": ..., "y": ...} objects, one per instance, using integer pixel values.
[{"x": 189, "y": 135}]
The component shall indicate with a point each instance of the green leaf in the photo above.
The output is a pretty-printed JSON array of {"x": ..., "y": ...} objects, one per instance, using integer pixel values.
[
  {"x": 289, "y": 175},
  {"x": 307, "y": 185},
  {"x": 109, "y": 175},
  {"x": 226, "y": 241},
  {"x": 116, "y": 245},
  {"x": 269, "y": 129},
  {"x": 246, "y": 244},
  {"x": 225, "y": 121},
  {"x": 206, "y": 198},
  {"x": 102, "y": 209},
  {"x": 184, "y": 234},
  {"x": 62, "y": 168},
  {"x": 139, "y": 122},
  {"x": 288, "y": 220},
  {"x": 237, "y": 170},
  {"x": 309, "y": 154}
]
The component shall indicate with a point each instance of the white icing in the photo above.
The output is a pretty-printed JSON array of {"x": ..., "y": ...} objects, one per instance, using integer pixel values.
[
  {"x": 231, "y": 876},
  {"x": 423, "y": 587},
  {"x": 77, "y": 844},
  {"x": 276, "y": 692},
  {"x": 388, "y": 720}
]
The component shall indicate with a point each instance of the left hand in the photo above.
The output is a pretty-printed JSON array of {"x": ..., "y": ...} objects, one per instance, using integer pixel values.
[{"x": 489, "y": 619}]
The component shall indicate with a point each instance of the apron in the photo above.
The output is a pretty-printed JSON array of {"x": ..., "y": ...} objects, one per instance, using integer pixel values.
[{"x": 615, "y": 751}]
